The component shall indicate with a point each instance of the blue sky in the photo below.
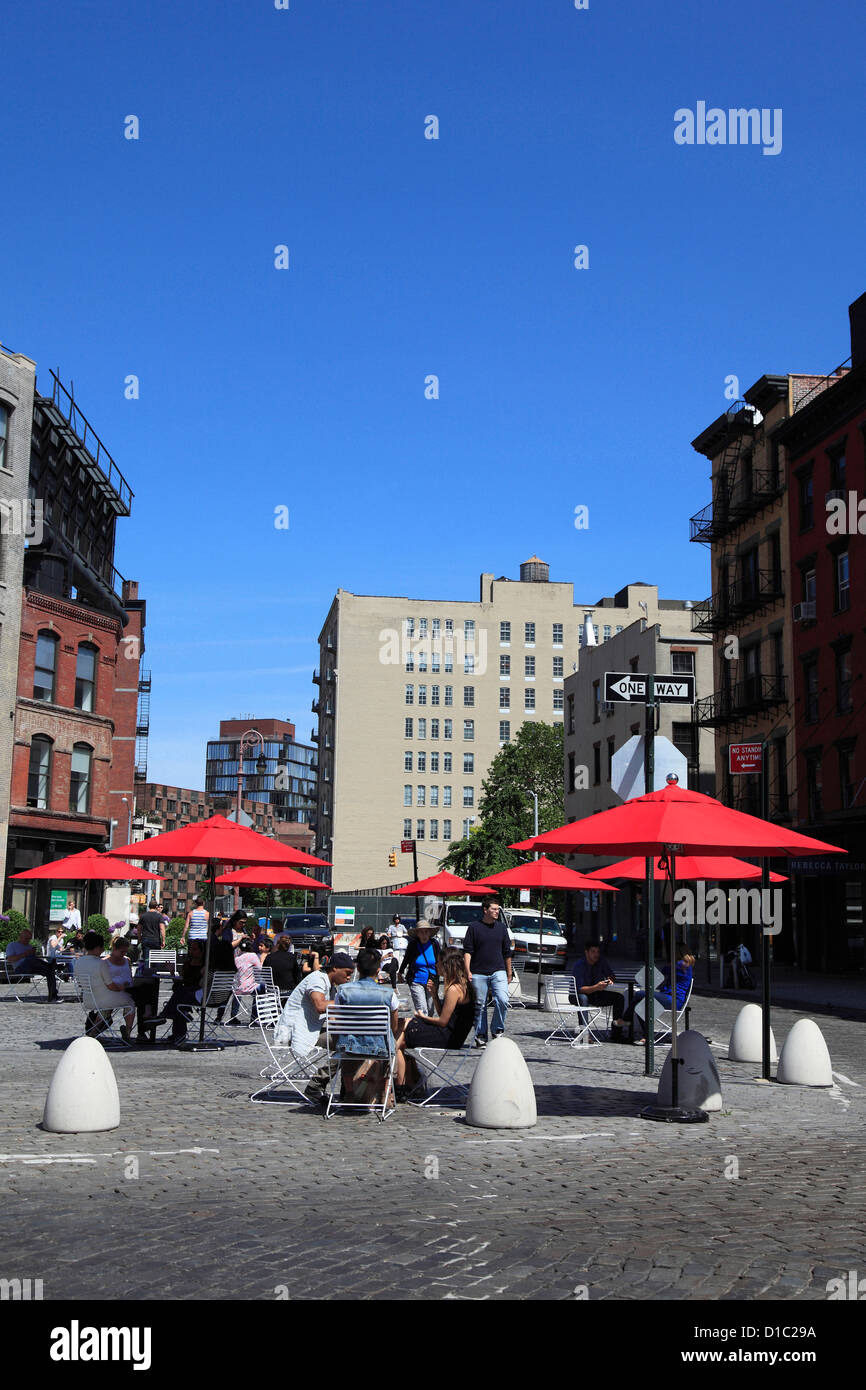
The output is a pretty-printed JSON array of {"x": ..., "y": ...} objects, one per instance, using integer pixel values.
[{"x": 304, "y": 387}]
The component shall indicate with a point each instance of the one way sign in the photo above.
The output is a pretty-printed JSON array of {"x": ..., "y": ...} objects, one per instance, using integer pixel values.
[{"x": 635, "y": 687}]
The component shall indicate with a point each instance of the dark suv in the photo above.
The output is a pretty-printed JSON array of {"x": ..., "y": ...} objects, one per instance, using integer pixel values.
[{"x": 308, "y": 929}]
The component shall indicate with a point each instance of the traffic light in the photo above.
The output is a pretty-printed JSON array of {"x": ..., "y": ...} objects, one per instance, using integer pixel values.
[{"x": 392, "y": 860}]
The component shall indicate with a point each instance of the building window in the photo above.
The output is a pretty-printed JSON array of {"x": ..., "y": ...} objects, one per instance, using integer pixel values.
[
  {"x": 422, "y": 762},
  {"x": 435, "y": 627},
  {"x": 838, "y": 467},
  {"x": 467, "y": 827},
  {"x": 813, "y": 786},
  {"x": 596, "y": 701},
  {"x": 557, "y": 634},
  {"x": 407, "y": 728},
  {"x": 529, "y": 668},
  {"x": 844, "y": 696},
  {"x": 446, "y": 762},
  {"x": 407, "y": 830},
  {"x": 469, "y": 663},
  {"x": 434, "y": 762},
  {"x": 529, "y": 699},
  {"x": 446, "y": 830},
  {"x": 807, "y": 500},
  {"x": 468, "y": 696},
  {"x": 558, "y": 700},
  {"x": 468, "y": 730},
  {"x": 505, "y": 666},
  {"x": 449, "y": 694},
  {"x": 4, "y": 433},
  {"x": 447, "y": 728},
  {"x": 529, "y": 633},
  {"x": 469, "y": 629},
  {"x": 504, "y": 731},
  {"x": 682, "y": 663},
  {"x": 446, "y": 796},
  {"x": 79, "y": 779},
  {"x": 434, "y": 663},
  {"x": 422, "y": 661},
  {"x": 422, "y": 728},
  {"x": 683, "y": 739},
  {"x": 505, "y": 632},
  {"x": 846, "y": 774},
  {"x": 468, "y": 796},
  {"x": 39, "y": 774},
  {"x": 434, "y": 728},
  {"x": 810, "y": 682},
  {"x": 422, "y": 627},
  {"x": 468, "y": 762},
  {"x": 434, "y": 830},
  {"x": 842, "y": 589},
  {"x": 85, "y": 677},
  {"x": 558, "y": 668},
  {"x": 410, "y": 694},
  {"x": 46, "y": 666},
  {"x": 504, "y": 697},
  {"x": 781, "y": 759},
  {"x": 449, "y": 661},
  {"x": 410, "y": 627},
  {"x": 407, "y": 762},
  {"x": 596, "y": 763},
  {"x": 434, "y": 796},
  {"x": 410, "y": 662},
  {"x": 419, "y": 833},
  {"x": 449, "y": 625},
  {"x": 434, "y": 694},
  {"x": 422, "y": 694},
  {"x": 570, "y": 722},
  {"x": 421, "y": 796}
]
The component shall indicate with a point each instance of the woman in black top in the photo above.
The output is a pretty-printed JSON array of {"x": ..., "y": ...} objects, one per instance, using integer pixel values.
[
  {"x": 452, "y": 1027},
  {"x": 284, "y": 964}
]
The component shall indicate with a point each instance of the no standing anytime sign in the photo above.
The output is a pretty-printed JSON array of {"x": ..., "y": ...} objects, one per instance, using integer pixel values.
[{"x": 746, "y": 757}]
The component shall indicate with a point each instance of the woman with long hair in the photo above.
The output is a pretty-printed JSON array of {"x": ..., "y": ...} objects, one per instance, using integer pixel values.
[{"x": 449, "y": 1030}]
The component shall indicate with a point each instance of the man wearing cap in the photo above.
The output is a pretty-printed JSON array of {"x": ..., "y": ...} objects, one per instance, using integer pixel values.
[
  {"x": 302, "y": 1022},
  {"x": 487, "y": 951}
]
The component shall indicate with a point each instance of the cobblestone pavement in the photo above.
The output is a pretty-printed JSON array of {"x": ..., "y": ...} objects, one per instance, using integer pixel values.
[{"x": 199, "y": 1194}]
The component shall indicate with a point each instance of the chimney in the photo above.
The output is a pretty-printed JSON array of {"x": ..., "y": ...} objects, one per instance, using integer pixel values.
[
  {"x": 130, "y": 590},
  {"x": 857, "y": 317}
]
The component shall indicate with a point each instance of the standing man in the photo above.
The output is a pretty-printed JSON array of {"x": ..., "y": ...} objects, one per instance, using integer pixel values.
[
  {"x": 71, "y": 918},
  {"x": 151, "y": 930},
  {"x": 592, "y": 976},
  {"x": 487, "y": 952}
]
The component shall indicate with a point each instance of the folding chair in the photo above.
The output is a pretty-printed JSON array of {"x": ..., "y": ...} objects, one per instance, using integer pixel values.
[
  {"x": 368, "y": 1024},
  {"x": 98, "y": 1019},
  {"x": 574, "y": 1022},
  {"x": 518, "y": 988},
  {"x": 218, "y": 996},
  {"x": 163, "y": 963},
  {"x": 286, "y": 1068},
  {"x": 442, "y": 1067}
]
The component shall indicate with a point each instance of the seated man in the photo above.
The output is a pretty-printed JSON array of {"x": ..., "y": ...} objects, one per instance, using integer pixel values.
[
  {"x": 366, "y": 990},
  {"x": 21, "y": 959},
  {"x": 108, "y": 993},
  {"x": 301, "y": 1022},
  {"x": 593, "y": 975}
]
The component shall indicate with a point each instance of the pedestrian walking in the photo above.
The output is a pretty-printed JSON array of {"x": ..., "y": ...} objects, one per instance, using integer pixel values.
[{"x": 487, "y": 952}]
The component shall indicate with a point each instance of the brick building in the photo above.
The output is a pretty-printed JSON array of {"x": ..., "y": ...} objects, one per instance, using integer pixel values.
[
  {"x": 825, "y": 441},
  {"x": 81, "y": 638}
]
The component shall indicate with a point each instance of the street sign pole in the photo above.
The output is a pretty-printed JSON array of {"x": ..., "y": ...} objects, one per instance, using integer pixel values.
[
  {"x": 649, "y": 779},
  {"x": 765, "y": 940}
]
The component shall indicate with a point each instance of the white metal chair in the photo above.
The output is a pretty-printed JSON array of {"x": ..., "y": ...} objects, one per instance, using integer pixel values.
[
  {"x": 519, "y": 989},
  {"x": 19, "y": 983},
  {"x": 663, "y": 1019},
  {"x": 286, "y": 1068},
  {"x": 162, "y": 963},
  {"x": 98, "y": 1019},
  {"x": 217, "y": 1001},
  {"x": 370, "y": 1027},
  {"x": 444, "y": 1068},
  {"x": 574, "y": 1022}
]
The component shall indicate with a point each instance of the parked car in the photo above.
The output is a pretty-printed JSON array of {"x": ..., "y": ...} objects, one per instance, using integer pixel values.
[
  {"x": 523, "y": 924},
  {"x": 453, "y": 922},
  {"x": 308, "y": 929}
]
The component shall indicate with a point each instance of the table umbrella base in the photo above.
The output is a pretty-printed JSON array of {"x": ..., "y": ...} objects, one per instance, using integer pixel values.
[
  {"x": 200, "y": 1045},
  {"x": 675, "y": 1114}
]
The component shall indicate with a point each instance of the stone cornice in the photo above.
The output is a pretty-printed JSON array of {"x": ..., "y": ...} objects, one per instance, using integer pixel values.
[{"x": 76, "y": 612}]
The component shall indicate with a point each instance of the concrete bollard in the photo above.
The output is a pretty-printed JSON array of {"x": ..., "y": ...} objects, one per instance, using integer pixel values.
[
  {"x": 501, "y": 1095},
  {"x": 746, "y": 1042},
  {"x": 699, "y": 1085},
  {"x": 82, "y": 1096},
  {"x": 805, "y": 1060}
]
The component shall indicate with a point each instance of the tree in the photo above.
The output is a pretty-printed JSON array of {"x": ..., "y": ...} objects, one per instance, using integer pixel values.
[{"x": 532, "y": 763}]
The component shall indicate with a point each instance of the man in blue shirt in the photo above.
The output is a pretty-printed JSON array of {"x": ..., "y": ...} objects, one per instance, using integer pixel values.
[
  {"x": 487, "y": 951},
  {"x": 592, "y": 976}
]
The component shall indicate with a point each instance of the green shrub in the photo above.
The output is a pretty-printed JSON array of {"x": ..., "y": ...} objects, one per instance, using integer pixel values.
[
  {"x": 11, "y": 923},
  {"x": 96, "y": 922},
  {"x": 172, "y": 933}
]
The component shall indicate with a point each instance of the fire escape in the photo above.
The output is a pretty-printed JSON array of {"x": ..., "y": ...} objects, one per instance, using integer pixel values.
[{"x": 142, "y": 726}]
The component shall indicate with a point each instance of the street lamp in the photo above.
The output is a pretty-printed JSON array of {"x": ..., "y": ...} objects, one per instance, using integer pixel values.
[
  {"x": 128, "y": 820},
  {"x": 249, "y": 739}
]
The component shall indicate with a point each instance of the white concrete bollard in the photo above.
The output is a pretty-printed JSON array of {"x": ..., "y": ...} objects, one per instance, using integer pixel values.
[
  {"x": 746, "y": 1042},
  {"x": 501, "y": 1095},
  {"x": 82, "y": 1096},
  {"x": 805, "y": 1060},
  {"x": 698, "y": 1084}
]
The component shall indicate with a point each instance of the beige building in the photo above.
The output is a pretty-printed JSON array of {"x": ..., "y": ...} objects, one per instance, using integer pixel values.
[{"x": 417, "y": 696}]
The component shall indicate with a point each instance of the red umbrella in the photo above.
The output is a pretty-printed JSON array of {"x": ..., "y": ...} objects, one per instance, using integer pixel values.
[
  {"x": 276, "y": 877},
  {"x": 444, "y": 883},
  {"x": 677, "y": 821},
  {"x": 711, "y": 866},
  {"x": 89, "y": 865},
  {"x": 542, "y": 873}
]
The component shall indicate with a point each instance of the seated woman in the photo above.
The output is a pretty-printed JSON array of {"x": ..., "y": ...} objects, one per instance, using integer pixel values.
[
  {"x": 187, "y": 990},
  {"x": 450, "y": 1030},
  {"x": 387, "y": 961},
  {"x": 368, "y": 940},
  {"x": 284, "y": 965},
  {"x": 684, "y": 974},
  {"x": 246, "y": 963}
]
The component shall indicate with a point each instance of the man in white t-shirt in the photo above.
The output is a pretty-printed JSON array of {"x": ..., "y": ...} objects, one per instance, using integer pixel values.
[
  {"x": 71, "y": 918},
  {"x": 303, "y": 1017}
]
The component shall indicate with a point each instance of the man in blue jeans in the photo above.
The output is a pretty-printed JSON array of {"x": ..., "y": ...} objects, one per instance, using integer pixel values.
[{"x": 487, "y": 952}]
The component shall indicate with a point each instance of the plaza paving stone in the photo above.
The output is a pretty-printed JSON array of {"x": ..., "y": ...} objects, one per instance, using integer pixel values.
[{"x": 266, "y": 1202}]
